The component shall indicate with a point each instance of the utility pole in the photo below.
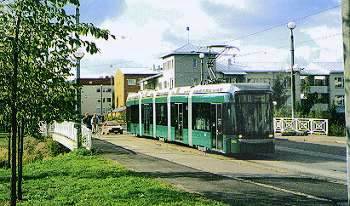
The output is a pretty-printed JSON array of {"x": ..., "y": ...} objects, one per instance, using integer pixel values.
[
  {"x": 291, "y": 26},
  {"x": 346, "y": 50},
  {"x": 201, "y": 56},
  {"x": 101, "y": 102}
]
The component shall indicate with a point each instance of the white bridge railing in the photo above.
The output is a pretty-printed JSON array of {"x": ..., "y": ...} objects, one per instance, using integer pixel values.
[
  {"x": 311, "y": 126},
  {"x": 66, "y": 133}
]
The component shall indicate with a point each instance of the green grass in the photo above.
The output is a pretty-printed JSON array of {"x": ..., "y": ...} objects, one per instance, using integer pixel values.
[
  {"x": 74, "y": 179},
  {"x": 3, "y": 140}
]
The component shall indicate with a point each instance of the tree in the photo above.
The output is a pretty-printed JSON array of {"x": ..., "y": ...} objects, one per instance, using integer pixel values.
[
  {"x": 280, "y": 90},
  {"x": 37, "y": 42}
]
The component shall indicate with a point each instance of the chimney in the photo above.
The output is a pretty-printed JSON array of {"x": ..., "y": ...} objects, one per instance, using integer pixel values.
[{"x": 229, "y": 61}]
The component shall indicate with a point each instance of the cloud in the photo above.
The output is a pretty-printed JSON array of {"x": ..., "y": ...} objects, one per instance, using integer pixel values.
[
  {"x": 328, "y": 42},
  {"x": 152, "y": 28}
]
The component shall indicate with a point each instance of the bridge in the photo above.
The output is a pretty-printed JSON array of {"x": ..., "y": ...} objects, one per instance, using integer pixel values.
[{"x": 66, "y": 134}]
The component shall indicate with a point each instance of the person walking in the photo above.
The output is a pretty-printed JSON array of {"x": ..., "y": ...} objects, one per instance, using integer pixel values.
[
  {"x": 94, "y": 122},
  {"x": 87, "y": 121}
]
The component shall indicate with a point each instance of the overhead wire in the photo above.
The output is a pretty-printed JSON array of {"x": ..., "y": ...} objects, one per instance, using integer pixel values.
[{"x": 284, "y": 23}]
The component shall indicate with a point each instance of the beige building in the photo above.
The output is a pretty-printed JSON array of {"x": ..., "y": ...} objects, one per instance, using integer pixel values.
[
  {"x": 97, "y": 93},
  {"x": 127, "y": 81}
]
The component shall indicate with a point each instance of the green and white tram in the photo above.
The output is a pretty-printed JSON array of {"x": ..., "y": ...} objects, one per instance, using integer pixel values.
[{"x": 227, "y": 118}]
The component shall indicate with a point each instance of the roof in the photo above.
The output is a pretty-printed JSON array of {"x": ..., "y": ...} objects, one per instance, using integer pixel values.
[
  {"x": 231, "y": 69},
  {"x": 241, "y": 69},
  {"x": 138, "y": 70},
  {"x": 203, "y": 89},
  {"x": 317, "y": 68},
  {"x": 188, "y": 49},
  {"x": 151, "y": 77},
  {"x": 323, "y": 68},
  {"x": 97, "y": 81}
]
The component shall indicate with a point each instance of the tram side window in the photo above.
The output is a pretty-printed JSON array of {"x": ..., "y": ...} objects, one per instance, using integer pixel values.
[
  {"x": 201, "y": 116},
  {"x": 229, "y": 119},
  {"x": 128, "y": 114},
  {"x": 185, "y": 117},
  {"x": 161, "y": 114},
  {"x": 134, "y": 113},
  {"x": 173, "y": 109}
]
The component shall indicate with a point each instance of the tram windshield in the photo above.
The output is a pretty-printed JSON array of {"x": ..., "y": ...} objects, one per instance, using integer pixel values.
[{"x": 253, "y": 115}]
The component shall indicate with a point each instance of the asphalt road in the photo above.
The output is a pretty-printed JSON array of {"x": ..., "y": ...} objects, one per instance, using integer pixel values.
[{"x": 298, "y": 173}]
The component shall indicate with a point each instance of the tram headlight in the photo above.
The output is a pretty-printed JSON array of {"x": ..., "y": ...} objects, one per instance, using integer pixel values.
[
  {"x": 240, "y": 136},
  {"x": 270, "y": 135}
]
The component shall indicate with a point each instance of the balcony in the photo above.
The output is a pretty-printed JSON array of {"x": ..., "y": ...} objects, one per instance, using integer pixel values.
[{"x": 318, "y": 89}]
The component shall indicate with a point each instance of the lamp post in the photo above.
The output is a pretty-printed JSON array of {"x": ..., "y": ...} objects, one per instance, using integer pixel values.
[
  {"x": 291, "y": 26},
  {"x": 201, "y": 56},
  {"x": 79, "y": 54},
  {"x": 101, "y": 102}
]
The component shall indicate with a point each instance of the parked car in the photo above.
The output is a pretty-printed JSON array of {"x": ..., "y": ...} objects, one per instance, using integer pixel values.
[{"x": 111, "y": 127}]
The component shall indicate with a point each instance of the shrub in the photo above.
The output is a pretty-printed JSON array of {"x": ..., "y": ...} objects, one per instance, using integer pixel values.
[{"x": 337, "y": 130}]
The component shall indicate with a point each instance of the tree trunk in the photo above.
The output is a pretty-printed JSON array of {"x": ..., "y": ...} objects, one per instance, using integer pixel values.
[
  {"x": 20, "y": 159},
  {"x": 14, "y": 111}
]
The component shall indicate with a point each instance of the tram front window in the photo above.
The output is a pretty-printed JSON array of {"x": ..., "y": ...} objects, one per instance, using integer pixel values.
[{"x": 253, "y": 115}]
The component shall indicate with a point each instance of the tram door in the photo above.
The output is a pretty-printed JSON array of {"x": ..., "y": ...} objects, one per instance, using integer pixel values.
[
  {"x": 216, "y": 126},
  {"x": 179, "y": 117},
  {"x": 147, "y": 118}
]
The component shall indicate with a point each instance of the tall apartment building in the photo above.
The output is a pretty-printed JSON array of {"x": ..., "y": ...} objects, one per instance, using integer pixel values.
[{"x": 97, "y": 93}]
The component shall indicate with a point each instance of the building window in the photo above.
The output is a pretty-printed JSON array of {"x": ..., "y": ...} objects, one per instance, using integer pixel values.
[
  {"x": 339, "y": 82},
  {"x": 131, "y": 82},
  {"x": 109, "y": 99},
  {"x": 339, "y": 100},
  {"x": 98, "y": 100},
  {"x": 194, "y": 63},
  {"x": 98, "y": 90},
  {"x": 320, "y": 81}
]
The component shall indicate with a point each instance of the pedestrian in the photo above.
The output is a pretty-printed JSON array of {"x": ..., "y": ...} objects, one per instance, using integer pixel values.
[
  {"x": 87, "y": 120},
  {"x": 94, "y": 122}
]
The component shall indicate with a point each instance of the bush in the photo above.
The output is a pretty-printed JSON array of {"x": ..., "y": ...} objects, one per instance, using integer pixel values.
[
  {"x": 83, "y": 152},
  {"x": 337, "y": 130}
]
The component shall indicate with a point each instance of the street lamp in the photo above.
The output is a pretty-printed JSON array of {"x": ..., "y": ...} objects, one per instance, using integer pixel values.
[
  {"x": 79, "y": 54},
  {"x": 201, "y": 56},
  {"x": 101, "y": 100},
  {"x": 291, "y": 26}
]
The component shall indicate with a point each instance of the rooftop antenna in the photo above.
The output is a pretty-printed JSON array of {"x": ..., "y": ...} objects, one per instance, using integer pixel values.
[{"x": 188, "y": 34}]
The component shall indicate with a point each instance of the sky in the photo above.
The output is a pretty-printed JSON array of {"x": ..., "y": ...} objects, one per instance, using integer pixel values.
[{"x": 149, "y": 28}]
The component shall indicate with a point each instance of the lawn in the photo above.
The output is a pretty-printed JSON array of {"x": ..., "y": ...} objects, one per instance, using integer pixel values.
[
  {"x": 3, "y": 140},
  {"x": 74, "y": 179}
]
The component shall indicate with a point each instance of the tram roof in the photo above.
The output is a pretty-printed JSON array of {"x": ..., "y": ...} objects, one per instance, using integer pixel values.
[{"x": 204, "y": 89}]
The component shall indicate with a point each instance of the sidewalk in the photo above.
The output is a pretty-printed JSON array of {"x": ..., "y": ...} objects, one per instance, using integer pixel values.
[
  {"x": 316, "y": 139},
  {"x": 219, "y": 187}
]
